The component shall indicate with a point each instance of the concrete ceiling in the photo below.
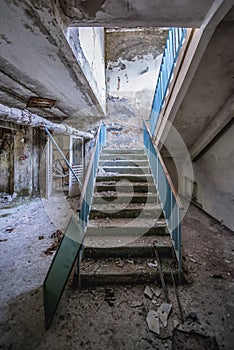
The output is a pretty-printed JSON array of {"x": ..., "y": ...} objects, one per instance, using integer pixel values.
[
  {"x": 36, "y": 60},
  {"x": 132, "y": 13},
  {"x": 131, "y": 44}
]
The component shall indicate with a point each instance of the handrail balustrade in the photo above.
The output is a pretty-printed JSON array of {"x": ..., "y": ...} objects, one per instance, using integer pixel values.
[{"x": 174, "y": 42}]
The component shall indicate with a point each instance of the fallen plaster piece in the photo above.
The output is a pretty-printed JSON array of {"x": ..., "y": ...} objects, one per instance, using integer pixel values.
[
  {"x": 148, "y": 292},
  {"x": 164, "y": 311},
  {"x": 153, "y": 322}
]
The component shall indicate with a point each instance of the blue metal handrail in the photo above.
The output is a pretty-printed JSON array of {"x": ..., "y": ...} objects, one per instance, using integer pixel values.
[
  {"x": 71, "y": 246},
  {"x": 173, "y": 45},
  {"x": 87, "y": 191},
  {"x": 168, "y": 197}
]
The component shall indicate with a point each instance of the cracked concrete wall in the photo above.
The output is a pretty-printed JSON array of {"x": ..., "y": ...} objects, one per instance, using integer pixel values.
[
  {"x": 214, "y": 174},
  {"x": 133, "y": 62},
  {"x": 6, "y": 161},
  {"x": 20, "y": 160}
]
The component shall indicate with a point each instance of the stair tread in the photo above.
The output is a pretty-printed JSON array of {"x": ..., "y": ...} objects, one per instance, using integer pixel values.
[
  {"x": 123, "y": 151},
  {"x": 126, "y": 242},
  {"x": 137, "y": 222},
  {"x": 127, "y": 174},
  {"x": 114, "y": 194},
  {"x": 122, "y": 206},
  {"x": 123, "y": 182},
  {"x": 118, "y": 266}
]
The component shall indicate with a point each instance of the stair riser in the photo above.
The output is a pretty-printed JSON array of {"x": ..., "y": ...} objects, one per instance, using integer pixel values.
[
  {"x": 131, "y": 178},
  {"x": 88, "y": 280},
  {"x": 129, "y": 157},
  {"x": 127, "y": 170},
  {"x": 141, "y": 163},
  {"x": 128, "y": 231},
  {"x": 127, "y": 252},
  {"x": 126, "y": 189},
  {"x": 126, "y": 199},
  {"x": 127, "y": 213},
  {"x": 123, "y": 151}
]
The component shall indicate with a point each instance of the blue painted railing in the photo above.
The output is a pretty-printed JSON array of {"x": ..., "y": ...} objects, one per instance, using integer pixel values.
[
  {"x": 90, "y": 178},
  {"x": 173, "y": 44},
  {"x": 169, "y": 199},
  {"x": 71, "y": 246}
]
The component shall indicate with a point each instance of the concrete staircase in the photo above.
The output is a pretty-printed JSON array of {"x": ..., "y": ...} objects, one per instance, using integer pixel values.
[{"x": 126, "y": 221}]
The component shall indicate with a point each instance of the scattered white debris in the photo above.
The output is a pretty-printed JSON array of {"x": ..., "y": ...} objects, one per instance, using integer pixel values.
[{"x": 154, "y": 264}]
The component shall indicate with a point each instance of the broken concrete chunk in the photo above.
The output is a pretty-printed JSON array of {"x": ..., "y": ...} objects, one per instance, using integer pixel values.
[
  {"x": 164, "y": 311},
  {"x": 156, "y": 292},
  {"x": 148, "y": 292},
  {"x": 153, "y": 322}
]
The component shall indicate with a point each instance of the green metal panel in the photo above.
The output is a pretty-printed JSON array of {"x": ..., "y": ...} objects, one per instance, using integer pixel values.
[{"x": 61, "y": 268}]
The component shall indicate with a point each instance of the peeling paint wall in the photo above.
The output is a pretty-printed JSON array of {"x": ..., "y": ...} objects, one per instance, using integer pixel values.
[
  {"x": 20, "y": 160},
  {"x": 6, "y": 161},
  {"x": 214, "y": 174},
  {"x": 133, "y": 62},
  {"x": 88, "y": 47}
]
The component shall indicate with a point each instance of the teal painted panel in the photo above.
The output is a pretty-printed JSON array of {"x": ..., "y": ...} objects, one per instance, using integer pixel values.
[{"x": 61, "y": 268}]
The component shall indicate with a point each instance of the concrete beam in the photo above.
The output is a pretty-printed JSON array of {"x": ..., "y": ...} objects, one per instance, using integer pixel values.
[
  {"x": 222, "y": 118},
  {"x": 192, "y": 57}
]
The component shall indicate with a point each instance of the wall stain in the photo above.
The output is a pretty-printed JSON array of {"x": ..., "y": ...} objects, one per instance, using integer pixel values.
[{"x": 90, "y": 7}]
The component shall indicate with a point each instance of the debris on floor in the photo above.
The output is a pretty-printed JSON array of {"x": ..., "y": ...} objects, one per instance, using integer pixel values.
[
  {"x": 192, "y": 340},
  {"x": 152, "y": 320},
  {"x": 57, "y": 236},
  {"x": 191, "y": 317},
  {"x": 148, "y": 292},
  {"x": 163, "y": 312},
  {"x": 110, "y": 296}
]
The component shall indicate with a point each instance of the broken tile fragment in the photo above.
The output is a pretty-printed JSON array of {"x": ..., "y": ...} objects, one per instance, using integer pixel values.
[
  {"x": 153, "y": 322},
  {"x": 148, "y": 292},
  {"x": 156, "y": 292},
  {"x": 164, "y": 311}
]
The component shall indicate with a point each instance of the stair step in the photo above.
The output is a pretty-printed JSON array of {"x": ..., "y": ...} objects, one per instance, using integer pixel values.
[
  {"x": 126, "y": 227},
  {"x": 125, "y": 170},
  {"x": 138, "y": 163},
  {"x": 125, "y": 187},
  {"x": 129, "y": 177},
  {"x": 123, "y": 211},
  {"x": 118, "y": 198},
  {"x": 126, "y": 247},
  {"x": 130, "y": 157},
  {"x": 117, "y": 271},
  {"x": 123, "y": 151}
]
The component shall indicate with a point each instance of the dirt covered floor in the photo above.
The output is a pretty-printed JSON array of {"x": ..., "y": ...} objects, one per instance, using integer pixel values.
[{"x": 86, "y": 319}]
